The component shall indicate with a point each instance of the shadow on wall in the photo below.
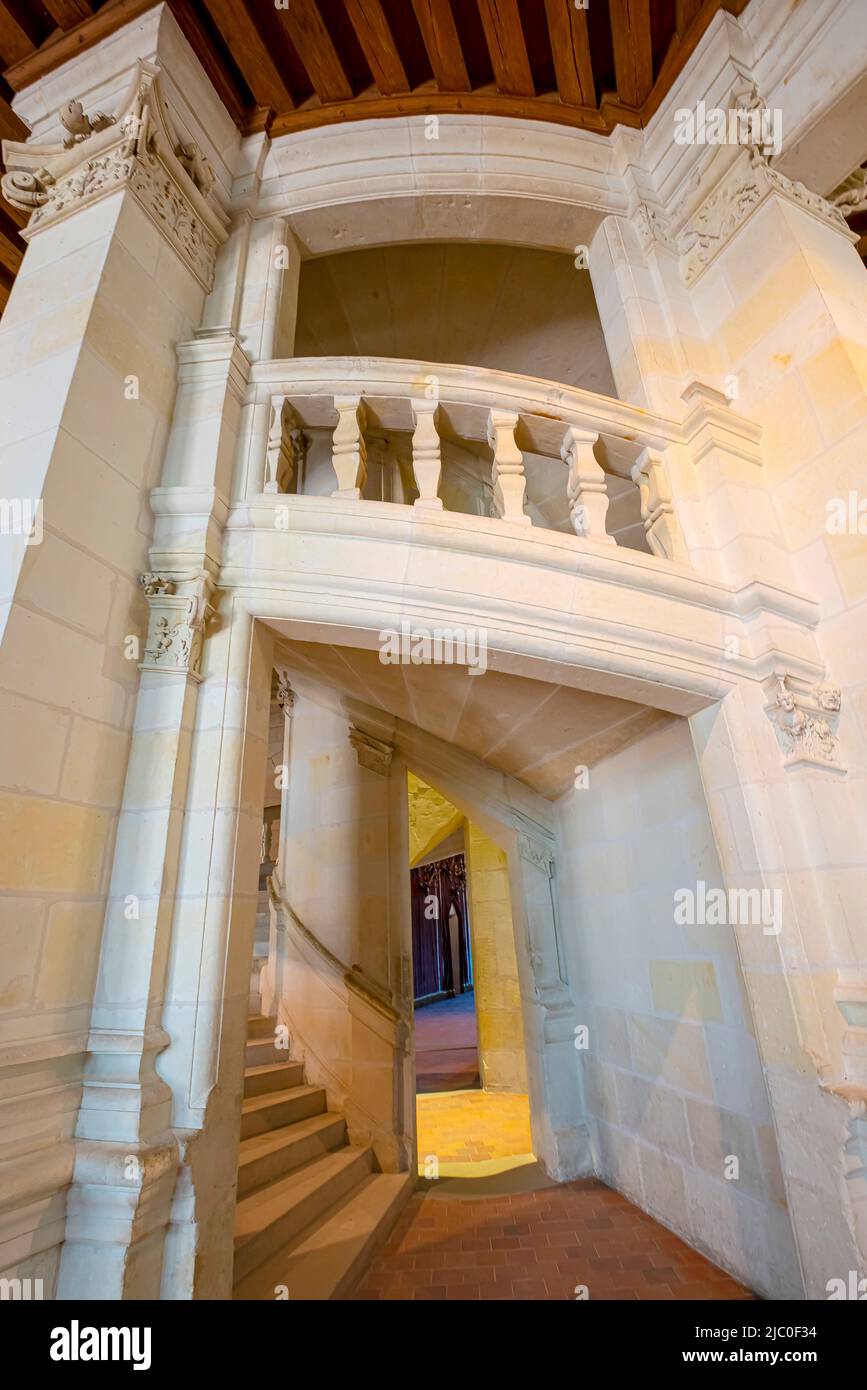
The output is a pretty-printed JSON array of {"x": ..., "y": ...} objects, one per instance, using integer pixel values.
[{"x": 510, "y": 308}]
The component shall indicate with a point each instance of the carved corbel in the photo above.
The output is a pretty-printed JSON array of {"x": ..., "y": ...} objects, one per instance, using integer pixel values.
[
  {"x": 179, "y": 611},
  {"x": 657, "y": 507},
  {"x": 805, "y": 718},
  {"x": 372, "y": 753}
]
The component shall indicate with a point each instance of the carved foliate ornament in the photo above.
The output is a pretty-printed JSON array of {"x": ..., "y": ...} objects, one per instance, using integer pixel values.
[
  {"x": 282, "y": 692},
  {"x": 179, "y": 611},
  {"x": 805, "y": 720},
  {"x": 137, "y": 149}
]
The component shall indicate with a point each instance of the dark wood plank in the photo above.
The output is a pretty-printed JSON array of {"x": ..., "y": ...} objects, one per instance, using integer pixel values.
[
  {"x": 504, "y": 36},
  {"x": 19, "y": 34},
  {"x": 11, "y": 126},
  {"x": 316, "y": 49},
  {"x": 370, "y": 23},
  {"x": 11, "y": 247},
  {"x": 570, "y": 46},
  {"x": 685, "y": 12},
  {"x": 194, "y": 29},
  {"x": 5, "y": 287},
  {"x": 437, "y": 25},
  {"x": 253, "y": 56},
  {"x": 110, "y": 17},
  {"x": 67, "y": 13},
  {"x": 633, "y": 54}
]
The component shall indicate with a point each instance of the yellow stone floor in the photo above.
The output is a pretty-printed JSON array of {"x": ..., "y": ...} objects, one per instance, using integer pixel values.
[{"x": 458, "y": 1128}]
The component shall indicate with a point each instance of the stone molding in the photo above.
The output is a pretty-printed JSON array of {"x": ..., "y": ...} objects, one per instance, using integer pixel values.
[
  {"x": 176, "y": 626},
  {"x": 805, "y": 719},
  {"x": 137, "y": 149}
]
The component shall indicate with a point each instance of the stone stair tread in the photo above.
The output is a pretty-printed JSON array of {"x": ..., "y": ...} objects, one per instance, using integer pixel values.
[
  {"x": 263, "y": 1068},
  {"x": 269, "y": 1098},
  {"x": 259, "y": 1210},
  {"x": 260, "y": 1026},
  {"x": 323, "y": 1262},
  {"x": 259, "y": 1144}
]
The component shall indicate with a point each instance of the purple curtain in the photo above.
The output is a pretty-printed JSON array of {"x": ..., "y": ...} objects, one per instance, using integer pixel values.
[{"x": 436, "y": 889}]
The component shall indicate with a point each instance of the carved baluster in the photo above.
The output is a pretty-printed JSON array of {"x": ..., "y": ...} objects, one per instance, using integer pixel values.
[
  {"x": 585, "y": 486},
  {"x": 426, "y": 460},
  {"x": 349, "y": 451},
  {"x": 657, "y": 507},
  {"x": 508, "y": 472},
  {"x": 280, "y": 458}
]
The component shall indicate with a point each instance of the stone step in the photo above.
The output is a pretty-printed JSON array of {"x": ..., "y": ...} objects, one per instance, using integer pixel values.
[
  {"x": 271, "y": 1217},
  {"x": 262, "y": 1050},
  {"x": 277, "y": 1109},
  {"x": 326, "y": 1261},
  {"x": 258, "y": 1026},
  {"x": 272, "y": 1076},
  {"x": 266, "y": 1157}
]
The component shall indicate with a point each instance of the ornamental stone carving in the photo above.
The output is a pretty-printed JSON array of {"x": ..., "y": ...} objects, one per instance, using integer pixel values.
[
  {"x": 179, "y": 611},
  {"x": 282, "y": 692},
  {"x": 748, "y": 183},
  {"x": 372, "y": 753},
  {"x": 805, "y": 720},
  {"x": 135, "y": 149}
]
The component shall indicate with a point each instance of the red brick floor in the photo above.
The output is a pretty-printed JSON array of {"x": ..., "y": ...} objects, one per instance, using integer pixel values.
[{"x": 539, "y": 1245}]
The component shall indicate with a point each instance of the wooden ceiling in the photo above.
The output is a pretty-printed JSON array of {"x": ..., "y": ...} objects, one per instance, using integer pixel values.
[{"x": 286, "y": 65}]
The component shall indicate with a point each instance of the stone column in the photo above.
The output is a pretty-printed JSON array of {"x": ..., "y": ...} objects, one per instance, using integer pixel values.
[
  {"x": 124, "y": 230},
  {"x": 350, "y": 450},
  {"x": 426, "y": 461}
]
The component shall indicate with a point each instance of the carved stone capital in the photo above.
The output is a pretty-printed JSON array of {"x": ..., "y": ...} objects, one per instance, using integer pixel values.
[
  {"x": 748, "y": 183},
  {"x": 179, "y": 611},
  {"x": 136, "y": 149},
  {"x": 805, "y": 719},
  {"x": 371, "y": 752}
]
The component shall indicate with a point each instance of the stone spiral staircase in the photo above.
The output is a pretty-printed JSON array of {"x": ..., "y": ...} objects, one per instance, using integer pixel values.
[{"x": 311, "y": 1207}]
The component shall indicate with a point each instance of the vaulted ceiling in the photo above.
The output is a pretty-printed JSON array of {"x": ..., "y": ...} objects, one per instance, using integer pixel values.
[{"x": 289, "y": 65}]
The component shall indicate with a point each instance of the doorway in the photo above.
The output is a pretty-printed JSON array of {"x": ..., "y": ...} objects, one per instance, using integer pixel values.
[{"x": 472, "y": 1105}]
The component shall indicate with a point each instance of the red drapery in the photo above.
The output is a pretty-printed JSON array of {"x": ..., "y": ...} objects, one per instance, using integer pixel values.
[{"x": 436, "y": 889}]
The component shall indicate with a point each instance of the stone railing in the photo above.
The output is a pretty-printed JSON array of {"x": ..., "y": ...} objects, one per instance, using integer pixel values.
[{"x": 510, "y": 415}]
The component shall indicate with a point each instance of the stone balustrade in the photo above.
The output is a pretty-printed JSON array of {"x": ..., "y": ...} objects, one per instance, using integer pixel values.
[{"x": 514, "y": 417}]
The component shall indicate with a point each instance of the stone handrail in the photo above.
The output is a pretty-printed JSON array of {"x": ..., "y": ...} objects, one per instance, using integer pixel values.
[
  {"x": 352, "y": 977},
  {"x": 511, "y": 413}
]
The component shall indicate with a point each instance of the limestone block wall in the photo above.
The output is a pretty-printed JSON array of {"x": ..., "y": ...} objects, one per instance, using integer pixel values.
[
  {"x": 673, "y": 1081},
  {"x": 88, "y": 374}
]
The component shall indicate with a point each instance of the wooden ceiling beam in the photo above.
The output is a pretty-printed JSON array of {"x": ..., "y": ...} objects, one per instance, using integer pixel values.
[
  {"x": 446, "y": 57},
  {"x": 252, "y": 55},
  {"x": 11, "y": 126},
  {"x": 110, "y": 17},
  {"x": 570, "y": 47},
  {"x": 67, "y": 13},
  {"x": 373, "y": 32},
  {"x": 190, "y": 22},
  {"x": 685, "y": 12},
  {"x": 633, "y": 54},
  {"x": 19, "y": 36},
  {"x": 315, "y": 47},
  {"x": 11, "y": 247},
  {"x": 501, "y": 20}
]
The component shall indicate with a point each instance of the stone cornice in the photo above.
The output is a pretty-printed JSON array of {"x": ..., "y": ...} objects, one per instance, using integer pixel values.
[{"x": 136, "y": 149}]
